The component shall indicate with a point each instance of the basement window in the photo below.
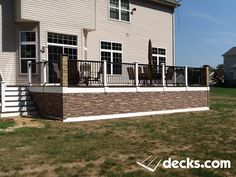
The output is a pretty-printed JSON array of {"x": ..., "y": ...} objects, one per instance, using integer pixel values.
[{"x": 28, "y": 50}]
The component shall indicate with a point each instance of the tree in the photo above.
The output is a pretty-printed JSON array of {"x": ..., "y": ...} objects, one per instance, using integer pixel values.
[{"x": 218, "y": 74}]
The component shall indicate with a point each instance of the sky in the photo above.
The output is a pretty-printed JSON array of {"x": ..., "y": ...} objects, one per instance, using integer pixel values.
[{"x": 205, "y": 29}]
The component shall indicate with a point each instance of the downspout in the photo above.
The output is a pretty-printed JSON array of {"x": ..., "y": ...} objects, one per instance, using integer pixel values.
[
  {"x": 90, "y": 30},
  {"x": 173, "y": 38},
  {"x": 95, "y": 15}
]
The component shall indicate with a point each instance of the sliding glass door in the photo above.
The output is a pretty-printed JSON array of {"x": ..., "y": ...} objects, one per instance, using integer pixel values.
[{"x": 59, "y": 44}]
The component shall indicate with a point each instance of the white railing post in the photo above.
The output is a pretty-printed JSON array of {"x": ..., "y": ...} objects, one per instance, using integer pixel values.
[
  {"x": 163, "y": 75},
  {"x": 136, "y": 74},
  {"x": 175, "y": 77},
  {"x": 186, "y": 76},
  {"x": 29, "y": 69},
  {"x": 104, "y": 73},
  {"x": 3, "y": 102},
  {"x": 44, "y": 72}
]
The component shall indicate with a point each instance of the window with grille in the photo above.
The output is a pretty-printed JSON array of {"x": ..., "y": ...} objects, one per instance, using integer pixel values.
[
  {"x": 159, "y": 56},
  {"x": 120, "y": 10},
  {"x": 62, "y": 39},
  {"x": 112, "y": 53},
  {"x": 28, "y": 50},
  {"x": 68, "y": 43}
]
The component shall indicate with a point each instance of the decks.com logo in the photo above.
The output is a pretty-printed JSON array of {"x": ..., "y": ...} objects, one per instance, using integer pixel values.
[
  {"x": 188, "y": 163},
  {"x": 152, "y": 163}
]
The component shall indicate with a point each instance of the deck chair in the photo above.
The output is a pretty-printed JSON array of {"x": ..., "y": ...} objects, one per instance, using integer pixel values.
[
  {"x": 156, "y": 73},
  {"x": 85, "y": 69},
  {"x": 99, "y": 73},
  {"x": 97, "y": 77},
  {"x": 85, "y": 73},
  {"x": 73, "y": 74},
  {"x": 170, "y": 73},
  {"x": 140, "y": 73},
  {"x": 146, "y": 74},
  {"x": 131, "y": 73},
  {"x": 56, "y": 70}
]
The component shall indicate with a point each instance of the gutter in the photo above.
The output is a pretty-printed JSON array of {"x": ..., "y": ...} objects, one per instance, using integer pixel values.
[{"x": 171, "y": 3}]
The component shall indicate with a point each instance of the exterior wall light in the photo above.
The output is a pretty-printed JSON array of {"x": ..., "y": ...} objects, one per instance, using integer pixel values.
[{"x": 132, "y": 11}]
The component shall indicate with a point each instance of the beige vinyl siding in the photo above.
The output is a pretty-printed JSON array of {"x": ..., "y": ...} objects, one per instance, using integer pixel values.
[
  {"x": 7, "y": 41},
  {"x": 150, "y": 20},
  {"x": 68, "y": 13}
]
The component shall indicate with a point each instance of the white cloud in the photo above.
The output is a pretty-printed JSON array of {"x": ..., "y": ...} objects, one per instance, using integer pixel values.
[
  {"x": 221, "y": 38},
  {"x": 224, "y": 33},
  {"x": 217, "y": 37},
  {"x": 206, "y": 17}
]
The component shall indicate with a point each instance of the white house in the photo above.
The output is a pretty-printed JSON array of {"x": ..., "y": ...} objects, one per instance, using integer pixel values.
[
  {"x": 43, "y": 30},
  {"x": 69, "y": 54}
]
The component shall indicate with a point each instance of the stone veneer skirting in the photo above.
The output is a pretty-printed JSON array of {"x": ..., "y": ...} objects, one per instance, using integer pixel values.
[{"x": 67, "y": 105}]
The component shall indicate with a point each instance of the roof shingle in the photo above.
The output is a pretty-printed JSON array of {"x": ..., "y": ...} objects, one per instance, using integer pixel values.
[{"x": 230, "y": 52}]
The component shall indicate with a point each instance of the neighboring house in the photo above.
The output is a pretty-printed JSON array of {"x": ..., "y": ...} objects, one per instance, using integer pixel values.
[
  {"x": 230, "y": 67},
  {"x": 114, "y": 32}
]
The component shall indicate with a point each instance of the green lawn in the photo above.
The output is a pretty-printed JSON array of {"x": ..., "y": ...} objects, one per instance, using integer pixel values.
[
  {"x": 6, "y": 124},
  {"x": 111, "y": 148}
]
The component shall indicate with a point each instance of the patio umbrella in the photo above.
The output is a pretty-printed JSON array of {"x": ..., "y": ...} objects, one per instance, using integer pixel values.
[{"x": 150, "y": 60}]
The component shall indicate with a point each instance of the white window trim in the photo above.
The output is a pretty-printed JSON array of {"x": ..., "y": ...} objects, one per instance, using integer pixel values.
[
  {"x": 111, "y": 51},
  {"x": 28, "y": 43},
  {"x": 119, "y": 9},
  {"x": 159, "y": 55},
  {"x": 63, "y": 45}
]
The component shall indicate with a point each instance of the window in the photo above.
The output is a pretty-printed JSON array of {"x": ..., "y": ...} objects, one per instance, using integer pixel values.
[
  {"x": 112, "y": 53},
  {"x": 120, "y": 10},
  {"x": 68, "y": 43},
  {"x": 28, "y": 50},
  {"x": 158, "y": 56},
  {"x": 231, "y": 75},
  {"x": 62, "y": 39},
  {"x": 71, "y": 52}
]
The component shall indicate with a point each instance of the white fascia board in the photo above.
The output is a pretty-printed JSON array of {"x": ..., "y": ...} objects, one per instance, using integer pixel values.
[{"x": 51, "y": 89}]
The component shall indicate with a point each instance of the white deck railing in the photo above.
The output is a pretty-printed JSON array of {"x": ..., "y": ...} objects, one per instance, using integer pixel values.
[
  {"x": 3, "y": 97},
  {"x": 41, "y": 66},
  {"x": 96, "y": 73}
]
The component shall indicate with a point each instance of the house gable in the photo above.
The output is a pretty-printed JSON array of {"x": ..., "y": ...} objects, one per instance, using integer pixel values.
[{"x": 230, "y": 52}]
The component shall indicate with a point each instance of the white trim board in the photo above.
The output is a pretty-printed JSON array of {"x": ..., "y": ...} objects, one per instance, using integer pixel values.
[
  {"x": 49, "y": 89},
  {"x": 127, "y": 115}
]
